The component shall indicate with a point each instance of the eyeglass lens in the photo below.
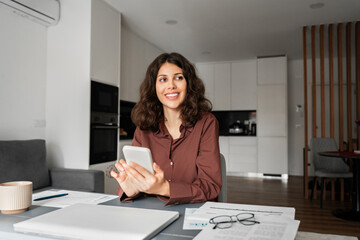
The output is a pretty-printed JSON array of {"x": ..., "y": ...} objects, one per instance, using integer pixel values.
[{"x": 246, "y": 218}]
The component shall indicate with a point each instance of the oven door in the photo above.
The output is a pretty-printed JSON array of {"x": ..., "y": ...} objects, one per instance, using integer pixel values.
[{"x": 103, "y": 144}]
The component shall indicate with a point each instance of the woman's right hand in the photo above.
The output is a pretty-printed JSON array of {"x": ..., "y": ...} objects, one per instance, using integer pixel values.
[{"x": 125, "y": 183}]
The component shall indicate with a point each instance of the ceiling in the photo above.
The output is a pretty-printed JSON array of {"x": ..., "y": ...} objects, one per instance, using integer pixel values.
[{"x": 227, "y": 30}]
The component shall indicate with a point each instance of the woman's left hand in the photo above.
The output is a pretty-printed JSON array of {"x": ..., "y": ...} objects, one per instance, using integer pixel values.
[{"x": 147, "y": 182}]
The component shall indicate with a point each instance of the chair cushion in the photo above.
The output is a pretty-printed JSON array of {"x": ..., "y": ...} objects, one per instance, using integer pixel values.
[{"x": 24, "y": 160}]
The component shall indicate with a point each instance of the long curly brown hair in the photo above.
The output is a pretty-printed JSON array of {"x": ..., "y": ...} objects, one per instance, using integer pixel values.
[{"x": 148, "y": 112}]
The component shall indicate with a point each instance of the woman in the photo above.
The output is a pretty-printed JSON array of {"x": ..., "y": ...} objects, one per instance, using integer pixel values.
[{"x": 173, "y": 120}]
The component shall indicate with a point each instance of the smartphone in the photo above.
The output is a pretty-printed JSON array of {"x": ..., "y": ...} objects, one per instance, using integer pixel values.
[{"x": 139, "y": 155}]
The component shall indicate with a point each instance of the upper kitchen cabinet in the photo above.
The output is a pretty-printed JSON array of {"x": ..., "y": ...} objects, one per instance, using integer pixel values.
[
  {"x": 243, "y": 85},
  {"x": 217, "y": 81},
  {"x": 272, "y": 70},
  {"x": 230, "y": 85},
  {"x": 105, "y": 43},
  {"x": 222, "y": 86},
  {"x": 206, "y": 73}
]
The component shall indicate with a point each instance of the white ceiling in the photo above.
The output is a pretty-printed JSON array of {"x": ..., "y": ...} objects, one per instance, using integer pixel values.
[{"x": 226, "y": 30}]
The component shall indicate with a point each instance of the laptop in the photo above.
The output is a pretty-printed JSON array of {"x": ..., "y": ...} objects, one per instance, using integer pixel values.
[{"x": 88, "y": 221}]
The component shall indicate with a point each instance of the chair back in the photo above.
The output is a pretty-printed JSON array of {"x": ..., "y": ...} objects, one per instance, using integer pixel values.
[
  {"x": 24, "y": 160},
  {"x": 223, "y": 192},
  {"x": 329, "y": 164}
]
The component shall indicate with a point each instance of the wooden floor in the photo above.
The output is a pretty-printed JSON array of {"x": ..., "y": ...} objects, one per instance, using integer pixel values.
[{"x": 289, "y": 193}]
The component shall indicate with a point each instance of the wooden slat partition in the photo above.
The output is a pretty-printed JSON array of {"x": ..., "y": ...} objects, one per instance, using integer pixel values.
[
  {"x": 348, "y": 83},
  {"x": 341, "y": 97},
  {"x": 313, "y": 57},
  {"x": 357, "y": 37},
  {"x": 345, "y": 114},
  {"x": 306, "y": 160},
  {"x": 322, "y": 81},
  {"x": 331, "y": 78}
]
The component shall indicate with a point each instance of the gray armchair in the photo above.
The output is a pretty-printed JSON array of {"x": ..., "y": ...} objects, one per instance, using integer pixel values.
[
  {"x": 223, "y": 192},
  {"x": 25, "y": 160}
]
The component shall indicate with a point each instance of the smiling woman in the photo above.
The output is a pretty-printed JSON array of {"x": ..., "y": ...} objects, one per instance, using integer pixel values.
[{"x": 173, "y": 120}]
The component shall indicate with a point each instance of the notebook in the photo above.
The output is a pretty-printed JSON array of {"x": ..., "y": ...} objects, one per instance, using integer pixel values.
[{"x": 88, "y": 221}]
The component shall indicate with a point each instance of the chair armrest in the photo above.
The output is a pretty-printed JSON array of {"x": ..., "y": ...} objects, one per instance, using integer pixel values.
[{"x": 77, "y": 179}]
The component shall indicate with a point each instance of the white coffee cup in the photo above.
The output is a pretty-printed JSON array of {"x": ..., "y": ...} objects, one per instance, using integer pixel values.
[{"x": 15, "y": 197}]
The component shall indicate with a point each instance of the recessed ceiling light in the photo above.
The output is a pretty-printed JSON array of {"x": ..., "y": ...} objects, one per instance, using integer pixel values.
[
  {"x": 171, "y": 22},
  {"x": 317, "y": 5},
  {"x": 206, "y": 53}
]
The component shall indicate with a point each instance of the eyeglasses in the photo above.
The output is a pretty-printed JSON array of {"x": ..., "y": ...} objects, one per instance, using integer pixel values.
[{"x": 226, "y": 221}]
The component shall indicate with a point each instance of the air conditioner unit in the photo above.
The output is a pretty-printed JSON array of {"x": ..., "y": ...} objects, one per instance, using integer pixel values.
[{"x": 45, "y": 12}]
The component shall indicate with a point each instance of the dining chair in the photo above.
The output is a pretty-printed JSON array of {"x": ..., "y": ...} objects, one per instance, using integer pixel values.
[{"x": 327, "y": 168}]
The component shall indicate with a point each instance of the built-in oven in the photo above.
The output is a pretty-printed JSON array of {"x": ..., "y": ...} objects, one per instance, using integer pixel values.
[
  {"x": 104, "y": 123},
  {"x": 104, "y": 142}
]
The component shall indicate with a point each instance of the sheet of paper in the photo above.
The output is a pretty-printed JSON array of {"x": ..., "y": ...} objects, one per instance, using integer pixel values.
[
  {"x": 193, "y": 224},
  {"x": 212, "y": 209},
  {"x": 270, "y": 228},
  {"x": 320, "y": 236},
  {"x": 73, "y": 197}
]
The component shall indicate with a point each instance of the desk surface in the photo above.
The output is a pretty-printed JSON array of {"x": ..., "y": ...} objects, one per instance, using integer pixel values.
[{"x": 173, "y": 231}]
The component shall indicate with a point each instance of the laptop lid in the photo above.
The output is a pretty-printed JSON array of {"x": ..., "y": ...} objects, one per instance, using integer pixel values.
[{"x": 88, "y": 221}]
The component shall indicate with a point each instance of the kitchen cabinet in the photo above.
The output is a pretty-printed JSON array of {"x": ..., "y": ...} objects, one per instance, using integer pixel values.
[
  {"x": 272, "y": 110},
  {"x": 272, "y": 155},
  {"x": 230, "y": 85},
  {"x": 243, "y": 85},
  {"x": 105, "y": 43},
  {"x": 217, "y": 81},
  {"x": 222, "y": 86},
  {"x": 272, "y": 115},
  {"x": 240, "y": 154},
  {"x": 272, "y": 70},
  {"x": 206, "y": 73}
]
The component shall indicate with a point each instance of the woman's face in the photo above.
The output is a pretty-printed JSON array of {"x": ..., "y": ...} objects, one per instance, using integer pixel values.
[{"x": 171, "y": 86}]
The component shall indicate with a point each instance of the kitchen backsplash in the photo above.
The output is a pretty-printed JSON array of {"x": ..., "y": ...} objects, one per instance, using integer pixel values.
[{"x": 231, "y": 123}]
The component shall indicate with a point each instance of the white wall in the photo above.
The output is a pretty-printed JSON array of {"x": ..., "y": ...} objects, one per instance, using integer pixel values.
[
  {"x": 136, "y": 55},
  {"x": 68, "y": 87},
  {"x": 22, "y": 77}
]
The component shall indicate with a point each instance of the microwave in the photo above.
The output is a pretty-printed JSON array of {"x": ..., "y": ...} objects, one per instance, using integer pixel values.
[{"x": 104, "y": 98}]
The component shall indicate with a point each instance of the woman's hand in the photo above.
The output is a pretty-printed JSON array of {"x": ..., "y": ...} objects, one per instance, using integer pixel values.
[
  {"x": 142, "y": 180},
  {"x": 124, "y": 181}
]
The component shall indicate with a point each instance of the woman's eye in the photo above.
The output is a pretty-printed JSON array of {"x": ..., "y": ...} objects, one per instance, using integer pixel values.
[
  {"x": 162, "y": 79},
  {"x": 180, "y": 78}
]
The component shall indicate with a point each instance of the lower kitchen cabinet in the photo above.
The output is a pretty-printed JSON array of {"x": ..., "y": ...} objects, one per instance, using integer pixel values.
[
  {"x": 272, "y": 155},
  {"x": 240, "y": 154},
  {"x": 224, "y": 150}
]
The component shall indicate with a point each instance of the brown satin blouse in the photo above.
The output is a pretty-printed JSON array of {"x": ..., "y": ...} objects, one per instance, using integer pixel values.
[{"x": 190, "y": 163}]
